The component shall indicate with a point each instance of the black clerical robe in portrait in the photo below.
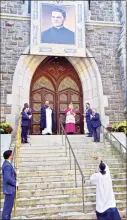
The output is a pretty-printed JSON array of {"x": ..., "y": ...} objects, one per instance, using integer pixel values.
[{"x": 58, "y": 36}]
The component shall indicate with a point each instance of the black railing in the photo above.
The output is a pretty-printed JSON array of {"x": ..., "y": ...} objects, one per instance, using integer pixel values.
[
  {"x": 76, "y": 164},
  {"x": 105, "y": 134}
]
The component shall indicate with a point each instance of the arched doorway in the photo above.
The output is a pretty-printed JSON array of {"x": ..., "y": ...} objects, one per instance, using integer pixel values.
[
  {"x": 86, "y": 68},
  {"x": 57, "y": 81}
]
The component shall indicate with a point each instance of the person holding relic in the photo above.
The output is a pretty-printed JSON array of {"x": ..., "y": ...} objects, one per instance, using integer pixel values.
[{"x": 70, "y": 119}]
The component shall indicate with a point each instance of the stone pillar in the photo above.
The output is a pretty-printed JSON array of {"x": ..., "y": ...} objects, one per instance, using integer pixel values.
[{"x": 122, "y": 51}]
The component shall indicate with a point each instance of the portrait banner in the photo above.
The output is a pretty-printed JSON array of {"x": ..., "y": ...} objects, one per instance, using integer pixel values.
[{"x": 58, "y": 28}]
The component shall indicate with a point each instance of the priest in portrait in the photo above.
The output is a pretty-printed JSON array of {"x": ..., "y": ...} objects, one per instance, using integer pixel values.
[
  {"x": 58, "y": 34},
  {"x": 47, "y": 123}
]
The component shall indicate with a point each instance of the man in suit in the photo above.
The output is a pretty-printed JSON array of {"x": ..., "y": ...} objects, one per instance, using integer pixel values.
[
  {"x": 26, "y": 105},
  {"x": 9, "y": 185},
  {"x": 96, "y": 125},
  {"x": 58, "y": 34},
  {"x": 28, "y": 113},
  {"x": 25, "y": 121},
  {"x": 88, "y": 121}
]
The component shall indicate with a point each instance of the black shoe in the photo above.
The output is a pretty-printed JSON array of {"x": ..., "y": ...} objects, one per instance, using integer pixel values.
[
  {"x": 89, "y": 136},
  {"x": 26, "y": 142}
]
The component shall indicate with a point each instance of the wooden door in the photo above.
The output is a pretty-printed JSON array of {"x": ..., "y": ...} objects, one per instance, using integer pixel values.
[
  {"x": 38, "y": 98},
  {"x": 65, "y": 97},
  {"x": 56, "y": 80}
]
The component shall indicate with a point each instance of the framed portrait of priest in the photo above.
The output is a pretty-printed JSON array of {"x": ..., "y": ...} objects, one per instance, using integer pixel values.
[{"x": 58, "y": 28}]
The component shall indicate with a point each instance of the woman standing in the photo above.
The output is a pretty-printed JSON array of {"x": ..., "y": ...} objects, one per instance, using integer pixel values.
[
  {"x": 105, "y": 199},
  {"x": 70, "y": 120}
]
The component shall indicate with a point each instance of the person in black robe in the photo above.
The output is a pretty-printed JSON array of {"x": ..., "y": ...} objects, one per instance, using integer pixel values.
[
  {"x": 58, "y": 34},
  {"x": 47, "y": 124}
]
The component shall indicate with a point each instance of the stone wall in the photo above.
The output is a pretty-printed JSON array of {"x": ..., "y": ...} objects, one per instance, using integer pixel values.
[
  {"x": 102, "y": 41},
  {"x": 12, "y": 7},
  {"x": 101, "y": 10},
  {"x": 15, "y": 38}
]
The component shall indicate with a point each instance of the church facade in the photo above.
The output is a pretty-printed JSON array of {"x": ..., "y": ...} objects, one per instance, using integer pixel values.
[{"x": 99, "y": 78}]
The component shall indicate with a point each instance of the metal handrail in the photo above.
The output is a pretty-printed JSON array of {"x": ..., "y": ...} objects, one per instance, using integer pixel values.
[
  {"x": 16, "y": 156},
  {"x": 121, "y": 145},
  {"x": 76, "y": 164},
  {"x": 114, "y": 137}
]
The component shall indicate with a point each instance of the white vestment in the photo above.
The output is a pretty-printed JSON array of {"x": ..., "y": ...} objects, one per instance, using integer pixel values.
[
  {"x": 105, "y": 198},
  {"x": 48, "y": 128},
  {"x": 70, "y": 118}
]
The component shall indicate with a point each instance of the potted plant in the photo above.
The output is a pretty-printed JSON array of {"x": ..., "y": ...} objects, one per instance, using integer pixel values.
[
  {"x": 109, "y": 128},
  {"x": 120, "y": 127},
  {"x": 5, "y": 137}
]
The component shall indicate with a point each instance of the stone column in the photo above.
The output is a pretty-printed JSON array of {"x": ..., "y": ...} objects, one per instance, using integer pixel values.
[{"x": 122, "y": 51}]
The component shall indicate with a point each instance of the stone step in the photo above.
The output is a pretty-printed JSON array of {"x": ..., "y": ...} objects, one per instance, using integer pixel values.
[
  {"x": 58, "y": 143},
  {"x": 62, "y": 178},
  {"x": 59, "y": 137},
  {"x": 26, "y": 157},
  {"x": 44, "y": 209},
  {"x": 78, "y": 142},
  {"x": 78, "y": 145},
  {"x": 45, "y": 162},
  {"x": 63, "y": 154},
  {"x": 47, "y": 185},
  {"x": 62, "y": 191},
  {"x": 66, "y": 159},
  {"x": 65, "y": 172},
  {"x": 63, "y": 149},
  {"x": 53, "y": 185},
  {"x": 53, "y": 151},
  {"x": 61, "y": 199},
  {"x": 70, "y": 215},
  {"x": 51, "y": 167}
]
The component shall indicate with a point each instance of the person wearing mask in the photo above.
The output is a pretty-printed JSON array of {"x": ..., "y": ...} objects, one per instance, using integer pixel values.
[
  {"x": 96, "y": 125},
  {"x": 105, "y": 199},
  {"x": 25, "y": 121},
  {"x": 9, "y": 185},
  {"x": 88, "y": 121},
  {"x": 70, "y": 119},
  {"x": 47, "y": 124}
]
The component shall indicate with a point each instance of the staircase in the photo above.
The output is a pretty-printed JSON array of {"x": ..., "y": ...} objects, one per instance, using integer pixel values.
[{"x": 47, "y": 185}]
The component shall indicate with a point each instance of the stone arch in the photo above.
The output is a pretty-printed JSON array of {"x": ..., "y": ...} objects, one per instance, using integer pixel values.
[{"x": 86, "y": 68}]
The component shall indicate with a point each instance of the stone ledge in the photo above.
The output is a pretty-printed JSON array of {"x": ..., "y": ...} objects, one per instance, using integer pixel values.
[
  {"x": 90, "y": 22},
  {"x": 120, "y": 136}
]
